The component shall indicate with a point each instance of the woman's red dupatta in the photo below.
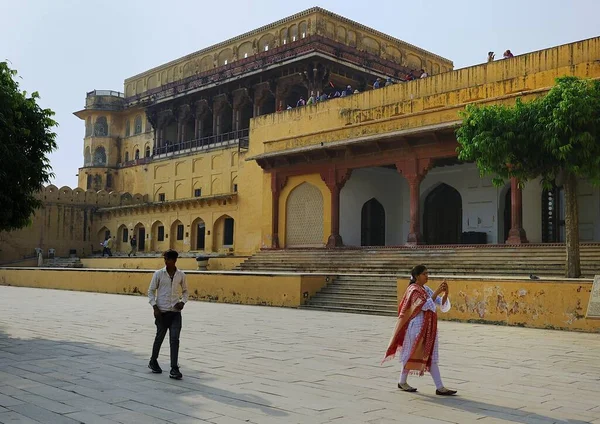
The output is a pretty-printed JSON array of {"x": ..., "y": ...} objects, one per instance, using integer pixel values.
[{"x": 422, "y": 352}]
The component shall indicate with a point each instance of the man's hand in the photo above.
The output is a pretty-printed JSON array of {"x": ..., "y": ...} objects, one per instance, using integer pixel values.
[
  {"x": 156, "y": 312},
  {"x": 179, "y": 306}
]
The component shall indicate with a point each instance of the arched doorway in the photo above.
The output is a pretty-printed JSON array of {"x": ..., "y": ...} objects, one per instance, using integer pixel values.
[
  {"x": 158, "y": 238},
  {"x": 304, "y": 217},
  {"x": 140, "y": 234},
  {"x": 372, "y": 224},
  {"x": 177, "y": 236},
  {"x": 442, "y": 218},
  {"x": 122, "y": 239},
  {"x": 223, "y": 233},
  {"x": 198, "y": 239}
]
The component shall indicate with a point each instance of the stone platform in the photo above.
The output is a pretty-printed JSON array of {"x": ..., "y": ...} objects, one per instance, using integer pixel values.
[{"x": 70, "y": 357}]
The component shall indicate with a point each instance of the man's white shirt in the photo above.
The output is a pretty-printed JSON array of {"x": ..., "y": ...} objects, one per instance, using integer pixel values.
[{"x": 166, "y": 293}]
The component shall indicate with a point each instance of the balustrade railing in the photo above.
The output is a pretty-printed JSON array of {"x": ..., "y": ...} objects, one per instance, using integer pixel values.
[
  {"x": 240, "y": 137},
  {"x": 106, "y": 93}
]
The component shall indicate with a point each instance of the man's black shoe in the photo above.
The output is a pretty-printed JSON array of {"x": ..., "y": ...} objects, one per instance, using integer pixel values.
[
  {"x": 175, "y": 373},
  {"x": 153, "y": 365}
]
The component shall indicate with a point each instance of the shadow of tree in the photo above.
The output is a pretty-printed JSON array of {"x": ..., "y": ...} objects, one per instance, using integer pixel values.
[{"x": 60, "y": 377}]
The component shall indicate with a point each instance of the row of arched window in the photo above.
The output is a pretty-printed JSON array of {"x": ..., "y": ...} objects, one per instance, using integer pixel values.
[
  {"x": 99, "y": 128},
  {"x": 137, "y": 126},
  {"x": 136, "y": 155}
]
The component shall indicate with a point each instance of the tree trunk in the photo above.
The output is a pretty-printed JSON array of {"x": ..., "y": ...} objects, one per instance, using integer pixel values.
[{"x": 573, "y": 269}]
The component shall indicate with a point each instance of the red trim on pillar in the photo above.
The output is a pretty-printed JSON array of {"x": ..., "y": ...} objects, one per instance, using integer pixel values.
[
  {"x": 277, "y": 184},
  {"x": 517, "y": 234},
  {"x": 335, "y": 179},
  {"x": 414, "y": 170}
]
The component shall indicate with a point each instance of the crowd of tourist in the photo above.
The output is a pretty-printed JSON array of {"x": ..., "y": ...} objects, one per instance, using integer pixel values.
[{"x": 333, "y": 92}]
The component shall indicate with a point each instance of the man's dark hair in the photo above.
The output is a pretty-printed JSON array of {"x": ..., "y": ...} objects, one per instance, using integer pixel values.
[{"x": 171, "y": 254}]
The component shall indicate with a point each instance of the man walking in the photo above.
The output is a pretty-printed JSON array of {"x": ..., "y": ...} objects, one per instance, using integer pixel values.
[{"x": 167, "y": 303}]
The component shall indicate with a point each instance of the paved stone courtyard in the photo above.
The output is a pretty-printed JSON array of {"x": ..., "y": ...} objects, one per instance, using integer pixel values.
[{"x": 68, "y": 357}]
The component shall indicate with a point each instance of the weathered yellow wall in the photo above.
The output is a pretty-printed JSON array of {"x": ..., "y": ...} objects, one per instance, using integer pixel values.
[
  {"x": 251, "y": 289},
  {"x": 254, "y": 207},
  {"x": 433, "y": 100},
  {"x": 64, "y": 222},
  {"x": 558, "y": 304},
  {"x": 186, "y": 264}
]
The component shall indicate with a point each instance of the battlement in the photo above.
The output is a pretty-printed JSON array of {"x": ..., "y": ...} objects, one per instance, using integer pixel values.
[{"x": 78, "y": 196}]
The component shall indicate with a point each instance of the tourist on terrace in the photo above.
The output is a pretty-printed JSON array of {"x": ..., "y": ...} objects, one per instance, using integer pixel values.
[
  {"x": 415, "y": 333},
  {"x": 491, "y": 56},
  {"x": 301, "y": 102},
  {"x": 424, "y": 74},
  {"x": 377, "y": 84},
  {"x": 133, "y": 244},
  {"x": 388, "y": 81},
  {"x": 311, "y": 99},
  {"x": 167, "y": 304},
  {"x": 323, "y": 97},
  {"x": 508, "y": 54},
  {"x": 107, "y": 246}
]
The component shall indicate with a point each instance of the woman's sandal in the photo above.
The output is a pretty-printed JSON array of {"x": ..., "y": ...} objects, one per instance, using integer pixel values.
[
  {"x": 406, "y": 388},
  {"x": 445, "y": 392}
]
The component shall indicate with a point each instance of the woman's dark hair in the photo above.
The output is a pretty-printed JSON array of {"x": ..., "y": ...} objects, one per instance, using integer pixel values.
[{"x": 415, "y": 272}]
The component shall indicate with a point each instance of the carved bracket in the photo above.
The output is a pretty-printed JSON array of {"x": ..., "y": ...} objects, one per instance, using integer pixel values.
[
  {"x": 336, "y": 178},
  {"x": 278, "y": 182},
  {"x": 414, "y": 170}
]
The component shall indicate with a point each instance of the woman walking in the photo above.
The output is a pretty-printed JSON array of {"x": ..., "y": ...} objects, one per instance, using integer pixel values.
[{"x": 415, "y": 333}]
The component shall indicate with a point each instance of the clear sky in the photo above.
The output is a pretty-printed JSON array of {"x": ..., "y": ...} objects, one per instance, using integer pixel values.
[{"x": 64, "y": 48}]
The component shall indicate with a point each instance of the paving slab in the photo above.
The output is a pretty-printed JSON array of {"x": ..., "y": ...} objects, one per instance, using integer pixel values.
[{"x": 70, "y": 357}]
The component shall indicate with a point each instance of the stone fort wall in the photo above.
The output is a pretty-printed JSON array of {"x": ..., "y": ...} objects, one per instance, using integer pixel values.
[{"x": 65, "y": 222}]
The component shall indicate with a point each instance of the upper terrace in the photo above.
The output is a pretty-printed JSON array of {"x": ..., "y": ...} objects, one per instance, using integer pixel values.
[
  {"x": 393, "y": 113},
  {"x": 260, "y": 44}
]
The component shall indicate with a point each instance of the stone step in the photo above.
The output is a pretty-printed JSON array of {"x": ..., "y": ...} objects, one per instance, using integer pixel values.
[
  {"x": 358, "y": 293},
  {"x": 350, "y": 310},
  {"x": 388, "y": 299}
]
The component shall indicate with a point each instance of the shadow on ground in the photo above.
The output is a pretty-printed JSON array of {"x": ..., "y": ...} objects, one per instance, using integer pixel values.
[
  {"x": 65, "y": 378},
  {"x": 499, "y": 412}
]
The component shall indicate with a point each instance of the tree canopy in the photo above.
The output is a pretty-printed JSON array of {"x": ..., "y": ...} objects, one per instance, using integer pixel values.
[
  {"x": 556, "y": 136},
  {"x": 26, "y": 138}
]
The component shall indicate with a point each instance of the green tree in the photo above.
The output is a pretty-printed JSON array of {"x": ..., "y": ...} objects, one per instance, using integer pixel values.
[
  {"x": 26, "y": 138},
  {"x": 556, "y": 136}
]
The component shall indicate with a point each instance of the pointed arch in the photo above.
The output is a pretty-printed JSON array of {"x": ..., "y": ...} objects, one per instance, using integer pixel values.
[
  {"x": 372, "y": 224},
  {"x": 442, "y": 215},
  {"x": 224, "y": 233},
  {"x": 198, "y": 238}
]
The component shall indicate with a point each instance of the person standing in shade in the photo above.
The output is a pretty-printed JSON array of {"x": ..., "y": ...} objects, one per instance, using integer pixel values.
[
  {"x": 133, "y": 244},
  {"x": 415, "y": 334},
  {"x": 168, "y": 294}
]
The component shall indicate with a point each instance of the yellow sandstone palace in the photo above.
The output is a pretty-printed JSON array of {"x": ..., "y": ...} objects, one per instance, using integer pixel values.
[{"x": 311, "y": 131}]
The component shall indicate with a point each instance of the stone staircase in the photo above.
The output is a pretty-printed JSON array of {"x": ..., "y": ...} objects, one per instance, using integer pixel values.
[
  {"x": 541, "y": 260},
  {"x": 365, "y": 294},
  {"x": 63, "y": 263}
]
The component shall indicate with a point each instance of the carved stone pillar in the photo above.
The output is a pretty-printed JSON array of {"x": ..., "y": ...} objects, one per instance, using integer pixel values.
[
  {"x": 516, "y": 235},
  {"x": 221, "y": 105},
  {"x": 262, "y": 92},
  {"x": 414, "y": 170},
  {"x": 241, "y": 99},
  {"x": 277, "y": 184},
  {"x": 335, "y": 179},
  {"x": 202, "y": 111},
  {"x": 315, "y": 77}
]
